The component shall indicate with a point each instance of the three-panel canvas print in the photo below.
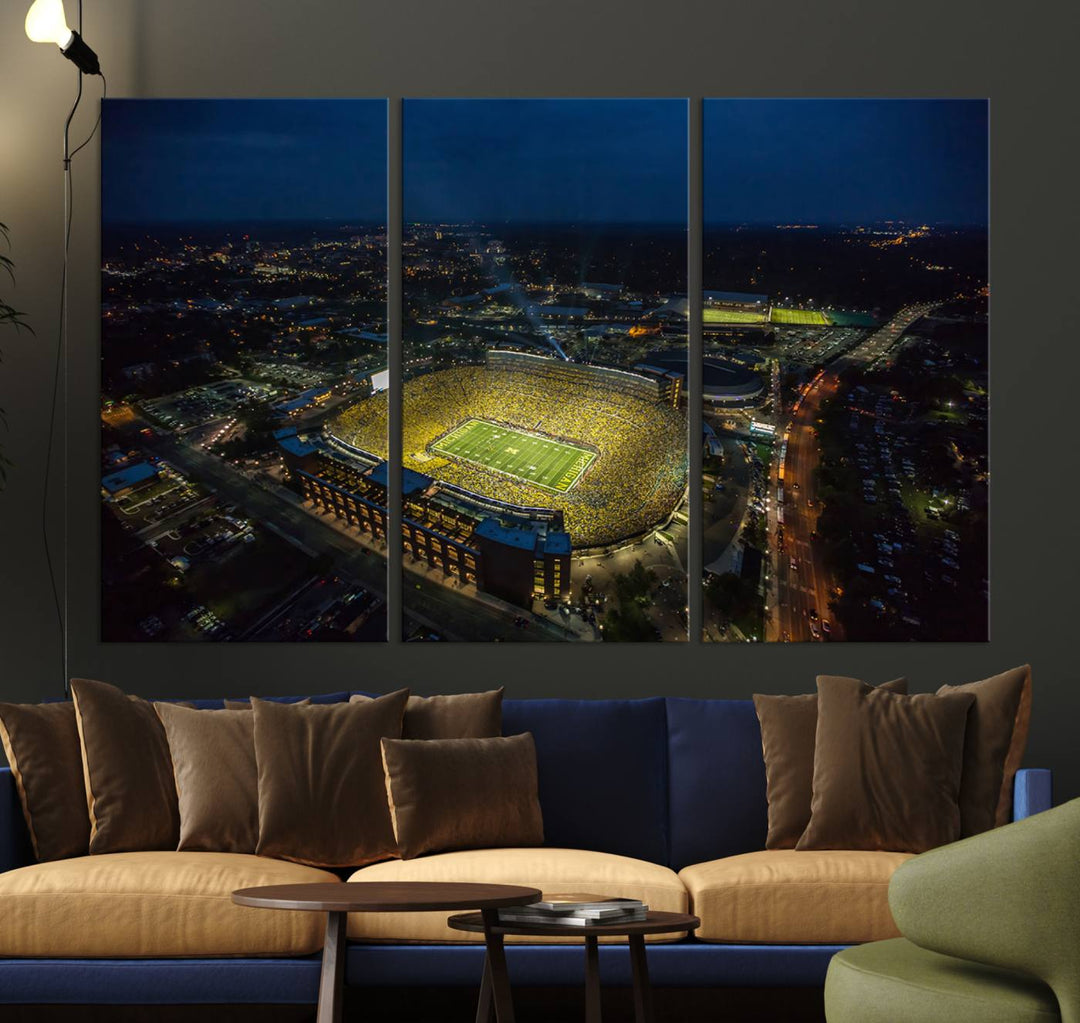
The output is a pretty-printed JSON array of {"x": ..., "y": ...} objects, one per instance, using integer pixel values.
[{"x": 543, "y": 401}]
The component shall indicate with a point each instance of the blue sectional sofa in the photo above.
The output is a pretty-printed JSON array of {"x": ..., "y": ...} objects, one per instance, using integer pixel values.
[{"x": 656, "y": 785}]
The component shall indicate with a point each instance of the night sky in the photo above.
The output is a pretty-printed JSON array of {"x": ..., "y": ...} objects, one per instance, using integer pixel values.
[
  {"x": 240, "y": 161},
  {"x": 846, "y": 161},
  {"x": 546, "y": 161},
  {"x": 572, "y": 161}
]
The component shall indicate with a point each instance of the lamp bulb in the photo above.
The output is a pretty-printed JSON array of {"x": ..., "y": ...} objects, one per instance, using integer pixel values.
[{"x": 46, "y": 23}]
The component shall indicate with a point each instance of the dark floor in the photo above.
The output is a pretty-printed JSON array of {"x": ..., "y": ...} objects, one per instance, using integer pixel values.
[{"x": 457, "y": 1005}]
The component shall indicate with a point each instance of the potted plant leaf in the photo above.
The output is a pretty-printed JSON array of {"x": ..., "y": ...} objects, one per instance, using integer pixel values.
[{"x": 9, "y": 317}]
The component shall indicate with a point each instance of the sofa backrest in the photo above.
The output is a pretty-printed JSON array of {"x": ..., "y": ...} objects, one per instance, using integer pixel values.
[
  {"x": 716, "y": 779},
  {"x": 673, "y": 781},
  {"x": 603, "y": 772}
]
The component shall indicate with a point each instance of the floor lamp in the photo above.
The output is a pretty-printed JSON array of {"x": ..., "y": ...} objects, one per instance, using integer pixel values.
[{"x": 47, "y": 23}]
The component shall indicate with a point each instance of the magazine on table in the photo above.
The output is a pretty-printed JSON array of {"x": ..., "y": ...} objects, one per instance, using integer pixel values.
[{"x": 576, "y": 909}]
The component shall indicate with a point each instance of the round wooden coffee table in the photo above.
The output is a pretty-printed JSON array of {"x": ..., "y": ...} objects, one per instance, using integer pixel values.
[
  {"x": 495, "y": 977},
  {"x": 339, "y": 900}
]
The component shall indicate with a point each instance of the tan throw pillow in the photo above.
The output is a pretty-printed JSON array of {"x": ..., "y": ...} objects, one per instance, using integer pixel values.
[
  {"x": 457, "y": 716},
  {"x": 788, "y": 726},
  {"x": 42, "y": 746},
  {"x": 127, "y": 770},
  {"x": 217, "y": 780},
  {"x": 886, "y": 769},
  {"x": 463, "y": 793},
  {"x": 322, "y": 797},
  {"x": 994, "y": 747}
]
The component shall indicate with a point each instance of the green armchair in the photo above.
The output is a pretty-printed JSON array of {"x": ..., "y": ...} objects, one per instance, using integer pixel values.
[{"x": 991, "y": 931}]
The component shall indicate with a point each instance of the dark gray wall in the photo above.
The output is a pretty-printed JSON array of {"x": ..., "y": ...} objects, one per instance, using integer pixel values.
[{"x": 1025, "y": 63}]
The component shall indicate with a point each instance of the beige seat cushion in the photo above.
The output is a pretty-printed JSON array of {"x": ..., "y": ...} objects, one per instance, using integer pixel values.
[
  {"x": 153, "y": 904},
  {"x": 789, "y": 897},
  {"x": 550, "y": 870}
]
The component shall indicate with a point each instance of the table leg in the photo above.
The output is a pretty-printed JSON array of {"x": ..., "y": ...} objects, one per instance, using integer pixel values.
[
  {"x": 592, "y": 980},
  {"x": 643, "y": 1010},
  {"x": 496, "y": 964},
  {"x": 331, "y": 982},
  {"x": 485, "y": 1005}
]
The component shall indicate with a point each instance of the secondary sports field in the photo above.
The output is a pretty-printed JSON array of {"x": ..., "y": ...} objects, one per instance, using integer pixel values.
[
  {"x": 799, "y": 317},
  {"x": 541, "y": 461},
  {"x": 714, "y": 315}
]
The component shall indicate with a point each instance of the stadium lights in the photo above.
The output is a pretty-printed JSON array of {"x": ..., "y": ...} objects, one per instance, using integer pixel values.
[{"x": 46, "y": 23}]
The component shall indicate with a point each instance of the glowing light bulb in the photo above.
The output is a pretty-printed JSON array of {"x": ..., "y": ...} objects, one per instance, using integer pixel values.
[{"x": 46, "y": 23}]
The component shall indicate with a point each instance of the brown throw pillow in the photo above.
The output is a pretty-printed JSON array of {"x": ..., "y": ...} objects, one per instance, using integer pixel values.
[
  {"x": 217, "y": 780},
  {"x": 322, "y": 796},
  {"x": 42, "y": 746},
  {"x": 994, "y": 746},
  {"x": 127, "y": 770},
  {"x": 886, "y": 769},
  {"x": 457, "y": 716},
  {"x": 788, "y": 726},
  {"x": 463, "y": 793}
]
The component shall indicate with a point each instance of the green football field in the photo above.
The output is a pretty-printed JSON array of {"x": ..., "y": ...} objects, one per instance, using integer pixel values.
[
  {"x": 544, "y": 462},
  {"x": 799, "y": 317},
  {"x": 715, "y": 315}
]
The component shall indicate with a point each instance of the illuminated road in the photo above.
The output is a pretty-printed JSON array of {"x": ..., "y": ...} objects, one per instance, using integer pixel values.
[
  {"x": 807, "y": 587},
  {"x": 800, "y": 591}
]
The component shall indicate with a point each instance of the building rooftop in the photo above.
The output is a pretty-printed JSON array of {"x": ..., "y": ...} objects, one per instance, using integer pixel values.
[
  {"x": 557, "y": 542},
  {"x": 563, "y": 311},
  {"x": 742, "y": 297},
  {"x": 553, "y": 542},
  {"x": 364, "y": 335},
  {"x": 411, "y": 481},
  {"x": 303, "y": 400},
  {"x": 295, "y": 446},
  {"x": 493, "y": 529},
  {"x": 133, "y": 475}
]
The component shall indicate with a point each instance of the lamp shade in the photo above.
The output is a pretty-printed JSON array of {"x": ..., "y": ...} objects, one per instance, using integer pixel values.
[{"x": 46, "y": 23}]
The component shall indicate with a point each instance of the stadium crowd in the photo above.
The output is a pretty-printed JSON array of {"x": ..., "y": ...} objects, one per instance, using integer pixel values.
[{"x": 635, "y": 482}]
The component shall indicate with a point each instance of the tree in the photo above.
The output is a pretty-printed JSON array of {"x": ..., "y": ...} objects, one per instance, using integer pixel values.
[
  {"x": 627, "y": 622},
  {"x": 731, "y": 595}
]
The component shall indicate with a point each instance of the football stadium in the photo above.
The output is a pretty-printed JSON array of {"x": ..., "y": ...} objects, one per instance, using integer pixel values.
[{"x": 605, "y": 448}]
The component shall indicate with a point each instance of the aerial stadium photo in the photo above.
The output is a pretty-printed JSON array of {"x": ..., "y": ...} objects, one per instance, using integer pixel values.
[
  {"x": 243, "y": 307},
  {"x": 846, "y": 481},
  {"x": 543, "y": 408}
]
